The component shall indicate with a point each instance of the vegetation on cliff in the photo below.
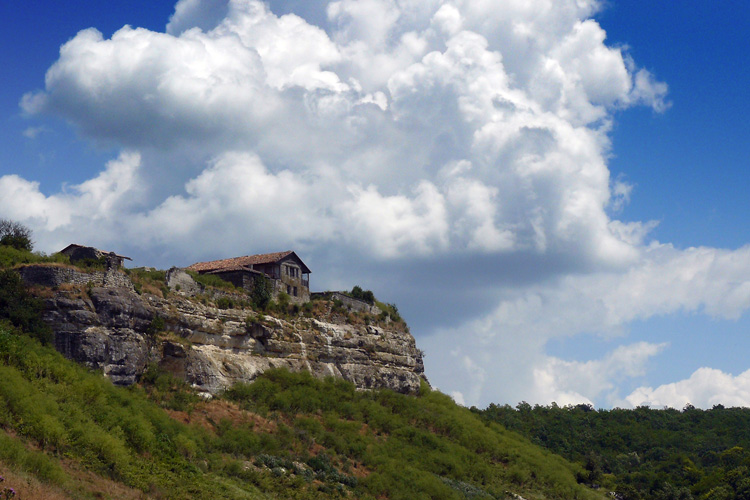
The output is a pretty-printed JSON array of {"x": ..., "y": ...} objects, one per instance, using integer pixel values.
[{"x": 15, "y": 235}]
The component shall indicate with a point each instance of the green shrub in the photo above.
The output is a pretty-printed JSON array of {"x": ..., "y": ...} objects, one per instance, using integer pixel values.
[
  {"x": 261, "y": 293},
  {"x": 284, "y": 300},
  {"x": 225, "y": 303},
  {"x": 10, "y": 257},
  {"x": 154, "y": 275},
  {"x": 388, "y": 310},
  {"x": 19, "y": 308},
  {"x": 211, "y": 280},
  {"x": 92, "y": 264},
  {"x": 364, "y": 295},
  {"x": 338, "y": 306},
  {"x": 15, "y": 235},
  {"x": 37, "y": 463},
  {"x": 157, "y": 325}
]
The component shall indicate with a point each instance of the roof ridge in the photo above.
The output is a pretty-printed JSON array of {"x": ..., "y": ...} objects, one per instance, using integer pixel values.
[{"x": 247, "y": 260}]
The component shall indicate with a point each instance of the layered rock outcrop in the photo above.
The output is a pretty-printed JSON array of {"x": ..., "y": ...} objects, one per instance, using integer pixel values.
[{"x": 115, "y": 329}]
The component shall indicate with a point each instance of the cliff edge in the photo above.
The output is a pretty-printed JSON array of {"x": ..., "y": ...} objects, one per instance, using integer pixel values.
[{"x": 122, "y": 323}]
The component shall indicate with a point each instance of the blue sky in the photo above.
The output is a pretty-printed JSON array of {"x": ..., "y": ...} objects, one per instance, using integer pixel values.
[
  {"x": 689, "y": 164},
  {"x": 492, "y": 167}
]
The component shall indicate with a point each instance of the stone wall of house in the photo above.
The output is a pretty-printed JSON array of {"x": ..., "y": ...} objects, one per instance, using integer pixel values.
[
  {"x": 303, "y": 294},
  {"x": 181, "y": 283},
  {"x": 287, "y": 283},
  {"x": 178, "y": 280},
  {"x": 54, "y": 276},
  {"x": 246, "y": 281}
]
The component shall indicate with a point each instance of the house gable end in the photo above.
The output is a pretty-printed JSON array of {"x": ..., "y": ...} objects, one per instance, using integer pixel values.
[{"x": 293, "y": 257}]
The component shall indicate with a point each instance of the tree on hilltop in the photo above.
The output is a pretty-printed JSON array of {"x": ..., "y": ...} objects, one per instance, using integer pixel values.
[{"x": 16, "y": 235}]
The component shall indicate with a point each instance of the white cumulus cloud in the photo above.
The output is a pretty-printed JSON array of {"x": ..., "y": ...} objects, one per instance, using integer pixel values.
[{"x": 704, "y": 389}]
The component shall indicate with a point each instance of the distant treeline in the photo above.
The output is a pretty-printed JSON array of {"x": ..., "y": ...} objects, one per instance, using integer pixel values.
[{"x": 644, "y": 453}]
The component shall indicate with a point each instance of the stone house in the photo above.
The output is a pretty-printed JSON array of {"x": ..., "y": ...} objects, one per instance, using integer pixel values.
[
  {"x": 285, "y": 270},
  {"x": 81, "y": 252}
]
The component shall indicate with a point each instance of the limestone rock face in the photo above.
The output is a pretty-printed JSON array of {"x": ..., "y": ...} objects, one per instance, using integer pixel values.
[
  {"x": 120, "y": 332},
  {"x": 106, "y": 331}
]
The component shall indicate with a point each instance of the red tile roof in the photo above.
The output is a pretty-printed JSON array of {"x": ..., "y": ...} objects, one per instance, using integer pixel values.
[{"x": 238, "y": 263}]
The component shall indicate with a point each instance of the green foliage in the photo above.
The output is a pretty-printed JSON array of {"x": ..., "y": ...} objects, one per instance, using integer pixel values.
[
  {"x": 389, "y": 310},
  {"x": 15, "y": 235},
  {"x": 37, "y": 463},
  {"x": 644, "y": 453},
  {"x": 338, "y": 306},
  {"x": 364, "y": 295},
  {"x": 147, "y": 280},
  {"x": 211, "y": 280},
  {"x": 65, "y": 410},
  {"x": 168, "y": 391},
  {"x": 91, "y": 264},
  {"x": 155, "y": 276},
  {"x": 10, "y": 257},
  {"x": 157, "y": 325},
  {"x": 414, "y": 447},
  {"x": 20, "y": 309},
  {"x": 302, "y": 438},
  {"x": 224, "y": 303},
  {"x": 261, "y": 293},
  {"x": 283, "y": 301}
]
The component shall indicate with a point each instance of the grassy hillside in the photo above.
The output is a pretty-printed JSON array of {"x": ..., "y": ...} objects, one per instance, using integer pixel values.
[
  {"x": 66, "y": 432},
  {"x": 644, "y": 453}
]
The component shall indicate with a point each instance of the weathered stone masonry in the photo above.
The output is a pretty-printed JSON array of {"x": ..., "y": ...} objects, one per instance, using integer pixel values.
[{"x": 54, "y": 276}]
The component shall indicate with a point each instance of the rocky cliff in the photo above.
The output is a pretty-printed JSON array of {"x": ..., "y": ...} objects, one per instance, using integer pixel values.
[{"x": 111, "y": 327}]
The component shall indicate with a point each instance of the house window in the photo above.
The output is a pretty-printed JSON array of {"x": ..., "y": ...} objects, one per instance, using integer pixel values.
[
  {"x": 288, "y": 290},
  {"x": 295, "y": 291}
]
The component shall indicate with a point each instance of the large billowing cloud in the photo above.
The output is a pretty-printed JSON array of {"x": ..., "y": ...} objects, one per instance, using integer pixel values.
[{"x": 398, "y": 139}]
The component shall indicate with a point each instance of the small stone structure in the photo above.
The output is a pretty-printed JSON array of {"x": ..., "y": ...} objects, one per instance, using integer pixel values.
[
  {"x": 181, "y": 282},
  {"x": 54, "y": 276},
  {"x": 80, "y": 252}
]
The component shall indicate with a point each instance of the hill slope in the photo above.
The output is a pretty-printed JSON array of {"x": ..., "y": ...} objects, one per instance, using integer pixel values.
[{"x": 69, "y": 433}]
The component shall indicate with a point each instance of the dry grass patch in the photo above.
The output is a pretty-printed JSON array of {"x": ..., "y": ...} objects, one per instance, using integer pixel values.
[
  {"x": 208, "y": 414},
  {"x": 82, "y": 484}
]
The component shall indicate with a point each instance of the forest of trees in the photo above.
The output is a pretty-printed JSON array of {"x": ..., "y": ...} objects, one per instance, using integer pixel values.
[{"x": 644, "y": 453}]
